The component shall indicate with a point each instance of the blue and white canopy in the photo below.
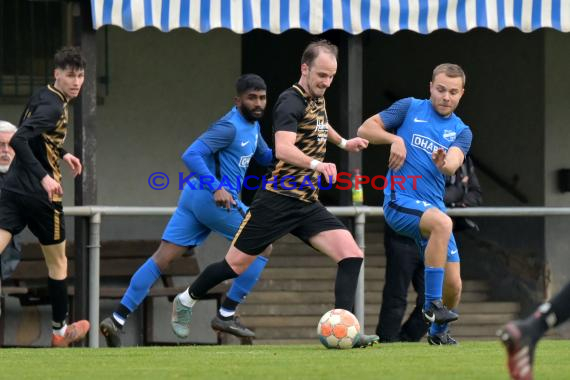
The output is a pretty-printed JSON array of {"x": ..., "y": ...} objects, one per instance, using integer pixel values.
[{"x": 318, "y": 16}]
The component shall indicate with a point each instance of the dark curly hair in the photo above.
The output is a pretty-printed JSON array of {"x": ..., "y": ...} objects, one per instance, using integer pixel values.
[{"x": 69, "y": 57}]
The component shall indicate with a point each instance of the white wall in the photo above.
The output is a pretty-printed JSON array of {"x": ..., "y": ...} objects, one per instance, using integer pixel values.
[{"x": 165, "y": 89}]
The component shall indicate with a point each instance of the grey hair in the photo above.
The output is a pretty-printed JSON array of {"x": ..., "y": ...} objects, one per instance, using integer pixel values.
[{"x": 7, "y": 127}]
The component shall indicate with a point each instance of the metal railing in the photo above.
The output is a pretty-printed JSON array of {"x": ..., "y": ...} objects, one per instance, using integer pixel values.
[{"x": 95, "y": 214}]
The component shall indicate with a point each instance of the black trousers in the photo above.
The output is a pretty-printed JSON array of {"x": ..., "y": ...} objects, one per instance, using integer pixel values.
[{"x": 403, "y": 265}]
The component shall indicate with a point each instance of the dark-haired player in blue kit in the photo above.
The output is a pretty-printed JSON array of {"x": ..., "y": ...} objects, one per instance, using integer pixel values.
[
  {"x": 217, "y": 161},
  {"x": 428, "y": 141}
]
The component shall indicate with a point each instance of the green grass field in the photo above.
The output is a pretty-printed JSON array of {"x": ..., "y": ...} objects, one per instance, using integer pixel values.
[{"x": 470, "y": 360}]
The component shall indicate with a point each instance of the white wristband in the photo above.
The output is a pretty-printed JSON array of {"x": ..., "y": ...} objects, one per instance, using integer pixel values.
[
  {"x": 342, "y": 143},
  {"x": 314, "y": 164}
]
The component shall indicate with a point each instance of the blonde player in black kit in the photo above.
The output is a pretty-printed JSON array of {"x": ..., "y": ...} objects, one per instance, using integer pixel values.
[
  {"x": 32, "y": 191},
  {"x": 289, "y": 202}
]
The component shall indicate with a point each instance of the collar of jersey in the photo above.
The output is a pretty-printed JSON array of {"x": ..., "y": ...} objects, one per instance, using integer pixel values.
[
  {"x": 235, "y": 109},
  {"x": 57, "y": 92},
  {"x": 297, "y": 87}
]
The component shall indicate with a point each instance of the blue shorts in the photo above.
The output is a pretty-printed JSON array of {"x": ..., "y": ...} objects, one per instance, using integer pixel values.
[
  {"x": 403, "y": 215},
  {"x": 197, "y": 215}
]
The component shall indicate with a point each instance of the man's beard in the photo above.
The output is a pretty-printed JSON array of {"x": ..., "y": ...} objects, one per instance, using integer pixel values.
[
  {"x": 249, "y": 116},
  {"x": 4, "y": 168}
]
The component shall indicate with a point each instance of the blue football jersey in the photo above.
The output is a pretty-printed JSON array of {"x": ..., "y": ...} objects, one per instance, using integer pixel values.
[
  {"x": 231, "y": 143},
  {"x": 423, "y": 131}
]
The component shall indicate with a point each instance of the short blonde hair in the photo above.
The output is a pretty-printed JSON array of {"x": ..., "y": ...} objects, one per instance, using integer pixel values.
[{"x": 451, "y": 70}]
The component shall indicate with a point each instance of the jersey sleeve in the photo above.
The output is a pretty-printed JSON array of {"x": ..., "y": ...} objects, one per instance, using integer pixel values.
[
  {"x": 44, "y": 118},
  {"x": 219, "y": 136},
  {"x": 463, "y": 140},
  {"x": 263, "y": 154},
  {"x": 288, "y": 111},
  {"x": 395, "y": 115},
  {"x": 62, "y": 152}
]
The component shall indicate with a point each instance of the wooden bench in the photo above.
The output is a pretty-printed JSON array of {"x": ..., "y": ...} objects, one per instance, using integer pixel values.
[{"x": 119, "y": 261}]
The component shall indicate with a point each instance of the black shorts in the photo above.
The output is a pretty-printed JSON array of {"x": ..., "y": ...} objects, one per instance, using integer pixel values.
[
  {"x": 43, "y": 218},
  {"x": 272, "y": 216}
]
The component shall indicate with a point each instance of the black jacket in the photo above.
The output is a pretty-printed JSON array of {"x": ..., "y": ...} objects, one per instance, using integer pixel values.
[
  {"x": 463, "y": 189},
  {"x": 11, "y": 256}
]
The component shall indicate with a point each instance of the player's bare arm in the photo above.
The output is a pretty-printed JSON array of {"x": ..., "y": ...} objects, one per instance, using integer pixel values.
[
  {"x": 74, "y": 164},
  {"x": 353, "y": 145},
  {"x": 448, "y": 163},
  {"x": 51, "y": 186},
  {"x": 373, "y": 130},
  {"x": 286, "y": 150}
]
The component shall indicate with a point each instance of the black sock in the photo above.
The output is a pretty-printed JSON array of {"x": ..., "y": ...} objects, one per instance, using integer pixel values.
[
  {"x": 229, "y": 304},
  {"x": 210, "y": 277},
  {"x": 554, "y": 312},
  {"x": 58, "y": 297},
  {"x": 346, "y": 282},
  {"x": 123, "y": 312}
]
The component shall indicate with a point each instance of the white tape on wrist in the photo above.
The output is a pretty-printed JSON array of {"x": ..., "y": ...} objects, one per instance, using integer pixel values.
[
  {"x": 314, "y": 164},
  {"x": 342, "y": 143}
]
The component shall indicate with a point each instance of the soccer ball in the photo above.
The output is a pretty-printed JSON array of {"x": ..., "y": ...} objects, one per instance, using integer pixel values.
[{"x": 338, "y": 328}]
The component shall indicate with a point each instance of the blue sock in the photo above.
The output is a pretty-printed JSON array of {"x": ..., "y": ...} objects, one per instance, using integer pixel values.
[
  {"x": 437, "y": 328},
  {"x": 433, "y": 284},
  {"x": 246, "y": 281},
  {"x": 141, "y": 282}
]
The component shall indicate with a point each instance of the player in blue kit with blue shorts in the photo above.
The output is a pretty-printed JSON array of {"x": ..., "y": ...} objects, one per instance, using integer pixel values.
[
  {"x": 217, "y": 161},
  {"x": 427, "y": 142}
]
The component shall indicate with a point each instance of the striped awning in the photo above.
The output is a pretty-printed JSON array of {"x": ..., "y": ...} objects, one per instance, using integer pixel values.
[{"x": 318, "y": 16}]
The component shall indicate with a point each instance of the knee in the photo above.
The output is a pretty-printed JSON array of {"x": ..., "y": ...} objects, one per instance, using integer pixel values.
[
  {"x": 5, "y": 238},
  {"x": 356, "y": 252},
  {"x": 167, "y": 253},
  {"x": 161, "y": 260},
  {"x": 57, "y": 267},
  {"x": 238, "y": 261},
  {"x": 442, "y": 225},
  {"x": 356, "y": 255},
  {"x": 238, "y": 267},
  {"x": 454, "y": 286}
]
